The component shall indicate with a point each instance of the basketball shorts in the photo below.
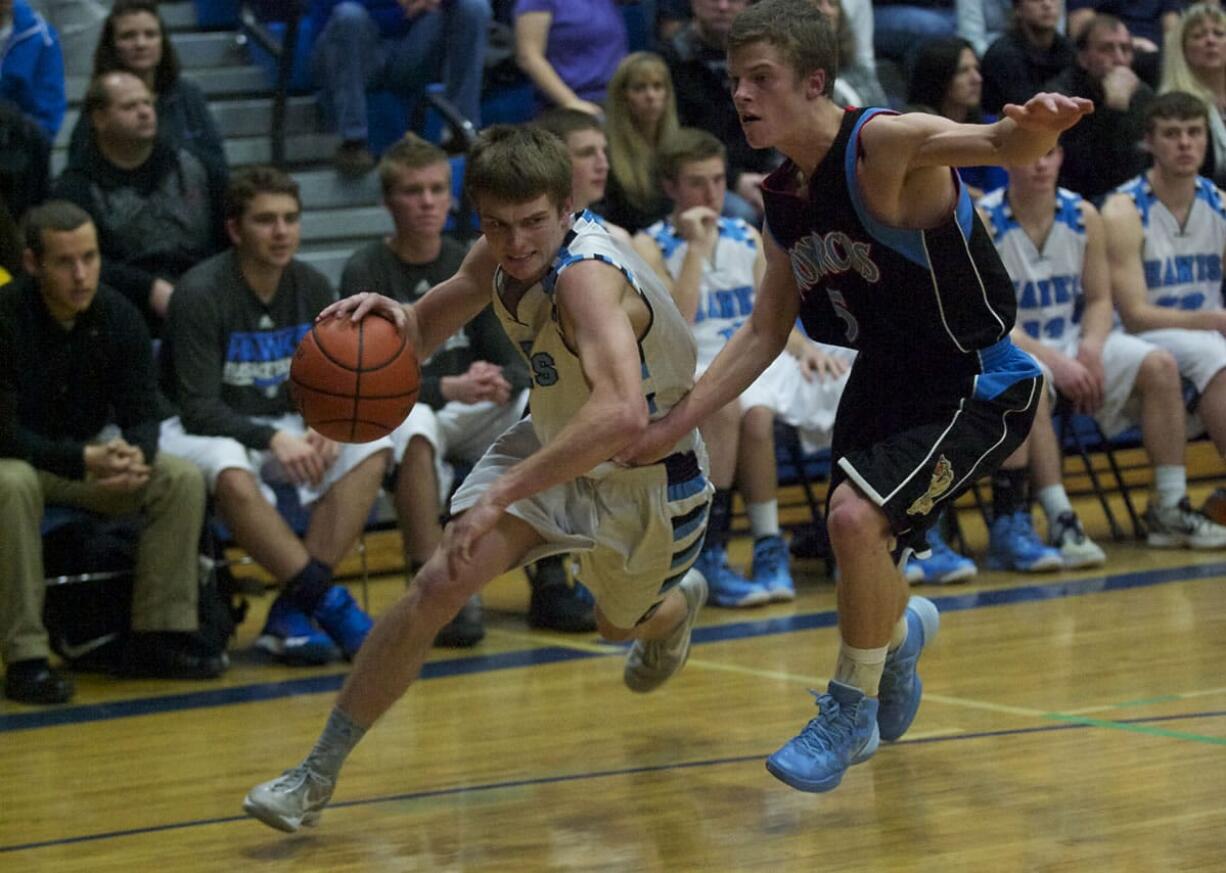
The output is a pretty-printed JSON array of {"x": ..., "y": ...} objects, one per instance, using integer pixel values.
[
  {"x": 1122, "y": 357},
  {"x": 1201, "y": 354},
  {"x": 457, "y": 432},
  {"x": 770, "y": 385},
  {"x": 809, "y": 405},
  {"x": 635, "y": 531},
  {"x": 912, "y": 445},
  {"x": 213, "y": 454}
]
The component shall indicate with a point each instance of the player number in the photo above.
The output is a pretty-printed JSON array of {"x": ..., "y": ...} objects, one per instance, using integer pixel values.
[
  {"x": 543, "y": 369},
  {"x": 851, "y": 328},
  {"x": 1189, "y": 302}
]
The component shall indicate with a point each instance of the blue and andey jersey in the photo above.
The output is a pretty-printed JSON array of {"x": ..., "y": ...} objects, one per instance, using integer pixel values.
[
  {"x": 930, "y": 300},
  {"x": 1183, "y": 264},
  {"x": 1047, "y": 280},
  {"x": 726, "y": 289},
  {"x": 260, "y": 359},
  {"x": 559, "y": 386}
]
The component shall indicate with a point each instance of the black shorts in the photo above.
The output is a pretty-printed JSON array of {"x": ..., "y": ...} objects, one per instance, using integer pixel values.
[{"x": 911, "y": 441}]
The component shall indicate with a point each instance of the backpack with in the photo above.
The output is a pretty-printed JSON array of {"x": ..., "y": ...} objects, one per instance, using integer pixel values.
[{"x": 88, "y": 621}]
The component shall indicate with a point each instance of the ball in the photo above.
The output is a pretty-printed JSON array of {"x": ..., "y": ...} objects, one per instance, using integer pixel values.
[{"x": 354, "y": 382}]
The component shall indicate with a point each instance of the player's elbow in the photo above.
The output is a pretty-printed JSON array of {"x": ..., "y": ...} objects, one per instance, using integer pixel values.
[
  {"x": 628, "y": 421},
  {"x": 1132, "y": 320}
]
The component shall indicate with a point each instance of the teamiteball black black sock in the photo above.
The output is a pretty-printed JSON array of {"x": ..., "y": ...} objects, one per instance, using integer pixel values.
[
  {"x": 310, "y": 585},
  {"x": 720, "y": 519},
  {"x": 1009, "y": 491}
]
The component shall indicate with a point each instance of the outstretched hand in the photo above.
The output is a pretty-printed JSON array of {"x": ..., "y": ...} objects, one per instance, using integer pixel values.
[
  {"x": 358, "y": 306},
  {"x": 1049, "y": 113}
]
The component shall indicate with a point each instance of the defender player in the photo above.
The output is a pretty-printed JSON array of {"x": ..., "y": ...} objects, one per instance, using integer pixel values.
[{"x": 872, "y": 240}]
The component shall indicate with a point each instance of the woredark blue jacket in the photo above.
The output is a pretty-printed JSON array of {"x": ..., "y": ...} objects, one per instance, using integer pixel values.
[{"x": 32, "y": 69}]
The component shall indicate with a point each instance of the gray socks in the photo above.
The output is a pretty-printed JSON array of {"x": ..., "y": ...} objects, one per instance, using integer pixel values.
[{"x": 339, "y": 737}]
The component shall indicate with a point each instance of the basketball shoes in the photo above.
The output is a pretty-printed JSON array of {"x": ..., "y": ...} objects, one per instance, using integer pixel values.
[
  {"x": 942, "y": 566},
  {"x": 343, "y": 620},
  {"x": 295, "y": 798},
  {"x": 727, "y": 588},
  {"x": 843, "y": 733},
  {"x": 650, "y": 663},
  {"x": 901, "y": 689},
  {"x": 1077, "y": 550},
  {"x": 290, "y": 636},
  {"x": 1181, "y": 526},
  {"x": 1013, "y": 545},
  {"x": 770, "y": 568}
]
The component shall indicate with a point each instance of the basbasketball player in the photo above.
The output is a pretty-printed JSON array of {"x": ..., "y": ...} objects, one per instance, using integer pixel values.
[
  {"x": 873, "y": 241},
  {"x": 608, "y": 351},
  {"x": 1052, "y": 243},
  {"x": 1166, "y": 238}
]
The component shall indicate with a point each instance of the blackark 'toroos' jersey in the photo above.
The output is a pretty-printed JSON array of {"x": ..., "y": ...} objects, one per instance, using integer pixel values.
[{"x": 931, "y": 298}]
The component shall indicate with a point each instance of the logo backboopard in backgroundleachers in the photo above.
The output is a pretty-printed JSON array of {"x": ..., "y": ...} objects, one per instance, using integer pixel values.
[{"x": 814, "y": 257}]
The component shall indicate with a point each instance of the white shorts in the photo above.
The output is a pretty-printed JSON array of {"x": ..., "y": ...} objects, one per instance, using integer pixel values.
[
  {"x": 1122, "y": 357},
  {"x": 212, "y": 454},
  {"x": 457, "y": 432},
  {"x": 635, "y": 531},
  {"x": 810, "y": 405},
  {"x": 1201, "y": 354},
  {"x": 764, "y": 390}
]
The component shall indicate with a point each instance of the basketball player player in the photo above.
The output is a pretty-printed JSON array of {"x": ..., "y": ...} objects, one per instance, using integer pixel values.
[
  {"x": 1051, "y": 242},
  {"x": 608, "y": 351},
  {"x": 713, "y": 266},
  {"x": 872, "y": 240},
  {"x": 1166, "y": 236}
]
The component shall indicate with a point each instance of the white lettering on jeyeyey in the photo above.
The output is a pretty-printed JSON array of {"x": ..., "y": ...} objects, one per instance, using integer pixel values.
[{"x": 815, "y": 257}]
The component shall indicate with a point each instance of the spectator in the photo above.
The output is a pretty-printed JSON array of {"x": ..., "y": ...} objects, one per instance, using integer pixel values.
[
  {"x": 1147, "y": 21},
  {"x": 157, "y": 206},
  {"x": 1195, "y": 62},
  {"x": 75, "y": 358},
  {"x": 671, "y": 16},
  {"x": 10, "y": 245},
  {"x": 233, "y": 326},
  {"x": 25, "y": 163},
  {"x": 398, "y": 45},
  {"x": 1026, "y": 56},
  {"x": 713, "y": 265},
  {"x": 31, "y": 65},
  {"x": 134, "y": 40},
  {"x": 589, "y": 161},
  {"x": 900, "y": 29},
  {"x": 79, "y": 25},
  {"x": 946, "y": 81},
  {"x": 983, "y": 22},
  {"x": 1103, "y": 149},
  {"x": 1053, "y": 244},
  {"x": 856, "y": 84},
  {"x": 642, "y": 115},
  {"x": 569, "y": 50},
  {"x": 859, "y": 64},
  {"x": 697, "y": 59},
  {"x": 1166, "y": 238}
]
